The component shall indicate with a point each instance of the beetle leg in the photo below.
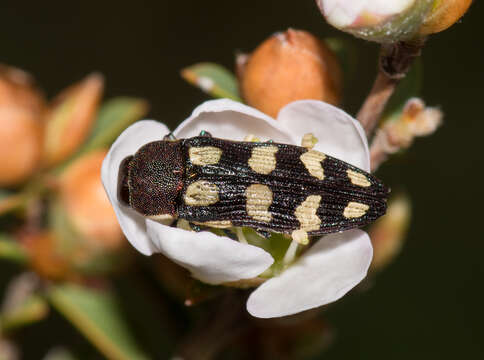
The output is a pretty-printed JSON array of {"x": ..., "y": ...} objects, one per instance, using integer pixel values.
[
  {"x": 230, "y": 234},
  {"x": 169, "y": 137},
  {"x": 265, "y": 234},
  {"x": 194, "y": 227},
  {"x": 205, "y": 134}
]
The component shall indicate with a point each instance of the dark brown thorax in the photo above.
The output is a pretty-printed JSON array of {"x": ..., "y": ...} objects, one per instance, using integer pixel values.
[{"x": 151, "y": 180}]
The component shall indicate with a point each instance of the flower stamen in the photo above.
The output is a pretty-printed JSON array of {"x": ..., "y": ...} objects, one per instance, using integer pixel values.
[
  {"x": 240, "y": 235},
  {"x": 308, "y": 141},
  {"x": 290, "y": 253}
]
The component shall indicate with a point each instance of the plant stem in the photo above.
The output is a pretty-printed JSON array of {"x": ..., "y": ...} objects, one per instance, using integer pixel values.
[{"x": 394, "y": 63}]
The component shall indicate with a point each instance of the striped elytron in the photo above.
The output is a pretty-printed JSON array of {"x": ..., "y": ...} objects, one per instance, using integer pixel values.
[{"x": 266, "y": 186}]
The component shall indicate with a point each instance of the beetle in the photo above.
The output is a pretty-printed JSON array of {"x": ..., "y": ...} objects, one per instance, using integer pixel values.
[{"x": 267, "y": 186}]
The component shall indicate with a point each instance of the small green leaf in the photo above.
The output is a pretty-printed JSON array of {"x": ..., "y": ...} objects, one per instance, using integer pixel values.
[
  {"x": 97, "y": 314},
  {"x": 67, "y": 236},
  {"x": 31, "y": 310},
  {"x": 214, "y": 79},
  {"x": 115, "y": 116},
  {"x": 409, "y": 87},
  {"x": 11, "y": 250},
  {"x": 10, "y": 201}
]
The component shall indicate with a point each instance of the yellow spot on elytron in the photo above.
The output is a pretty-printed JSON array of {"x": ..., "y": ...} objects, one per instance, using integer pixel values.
[
  {"x": 300, "y": 236},
  {"x": 204, "y": 155},
  {"x": 161, "y": 217},
  {"x": 201, "y": 193},
  {"x": 220, "y": 224},
  {"x": 306, "y": 213},
  {"x": 312, "y": 161},
  {"x": 358, "y": 179},
  {"x": 308, "y": 141},
  {"x": 259, "y": 198},
  {"x": 355, "y": 210},
  {"x": 263, "y": 159}
]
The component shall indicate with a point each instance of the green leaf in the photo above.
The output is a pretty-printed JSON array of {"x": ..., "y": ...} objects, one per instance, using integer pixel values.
[
  {"x": 11, "y": 250},
  {"x": 10, "y": 201},
  {"x": 409, "y": 87},
  {"x": 97, "y": 314},
  {"x": 31, "y": 310},
  {"x": 115, "y": 116},
  {"x": 68, "y": 239},
  {"x": 214, "y": 79}
]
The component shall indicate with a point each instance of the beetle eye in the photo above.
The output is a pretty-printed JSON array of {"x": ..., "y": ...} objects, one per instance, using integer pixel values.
[{"x": 123, "y": 178}]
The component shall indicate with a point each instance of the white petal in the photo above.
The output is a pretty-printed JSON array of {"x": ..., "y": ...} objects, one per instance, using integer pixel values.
[
  {"x": 342, "y": 13},
  {"x": 132, "y": 224},
  {"x": 332, "y": 267},
  {"x": 338, "y": 134},
  {"x": 232, "y": 120},
  {"x": 210, "y": 258}
]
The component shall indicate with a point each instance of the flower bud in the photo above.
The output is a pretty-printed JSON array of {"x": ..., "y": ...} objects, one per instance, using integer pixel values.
[
  {"x": 21, "y": 126},
  {"x": 70, "y": 119},
  {"x": 86, "y": 203},
  {"x": 17, "y": 90},
  {"x": 415, "y": 120},
  {"x": 377, "y": 20},
  {"x": 45, "y": 258},
  {"x": 443, "y": 15},
  {"x": 289, "y": 66},
  {"x": 388, "y": 233},
  {"x": 8, "y": 350}
]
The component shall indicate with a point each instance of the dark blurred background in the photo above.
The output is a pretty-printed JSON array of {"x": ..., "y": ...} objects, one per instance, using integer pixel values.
[{"x": 429, "y": 302}]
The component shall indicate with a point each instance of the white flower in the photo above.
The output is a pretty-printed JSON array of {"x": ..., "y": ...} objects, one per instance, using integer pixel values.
[
  {"x": 329, "y": 269},
  {"x": 377, "y": 20}
]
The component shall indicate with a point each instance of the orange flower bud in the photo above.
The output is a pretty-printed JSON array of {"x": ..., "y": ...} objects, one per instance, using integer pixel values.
[
  {"x": 290, "y": 66},
  {"x": 86, "y": 203},
  {"x": 44, "y": 256},
  {"x": 21, "y": 126},
  {"x": 17, "y": 90},
  {"x": 70, "y": 118},
  {"x": 443, "y": 15}
]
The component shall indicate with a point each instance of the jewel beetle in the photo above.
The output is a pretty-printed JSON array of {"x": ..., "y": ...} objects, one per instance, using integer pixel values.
[{"x": 267, "y": 186}]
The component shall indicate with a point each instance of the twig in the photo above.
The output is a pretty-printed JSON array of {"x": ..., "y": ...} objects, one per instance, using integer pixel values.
[
  {"x": 394, "y": 63},
  {"x": 378, "y": 155}
]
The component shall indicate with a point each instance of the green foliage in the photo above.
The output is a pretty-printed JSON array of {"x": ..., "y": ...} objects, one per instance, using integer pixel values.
[
  {"x": 11, "y": 250},
  {"x": 32, "y": 309},
  {"x": 97, "y": 314},
  {"x": 276, "y": 245},
  {"x": 214, "y": 79},
  {"x": 114, "y": 116}
]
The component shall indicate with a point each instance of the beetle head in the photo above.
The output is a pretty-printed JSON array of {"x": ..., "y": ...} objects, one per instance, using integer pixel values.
[{"x": 150, "y": 181}]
